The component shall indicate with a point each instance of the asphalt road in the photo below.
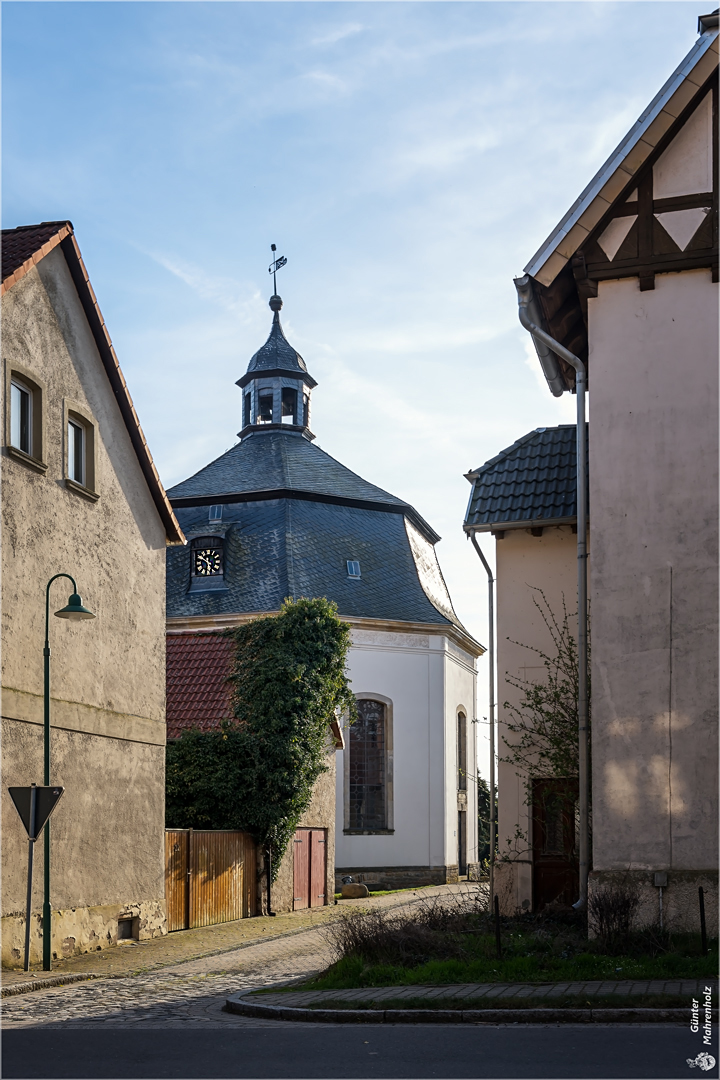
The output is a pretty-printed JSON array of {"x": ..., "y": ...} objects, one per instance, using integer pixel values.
[{"x": 299, "y": 1051}]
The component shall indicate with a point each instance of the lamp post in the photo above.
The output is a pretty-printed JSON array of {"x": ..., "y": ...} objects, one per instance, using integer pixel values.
[{"x": 74, "y": 611}]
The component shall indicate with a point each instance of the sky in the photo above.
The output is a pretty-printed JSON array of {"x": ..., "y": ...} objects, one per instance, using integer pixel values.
[{"x": 407, "y": 158}]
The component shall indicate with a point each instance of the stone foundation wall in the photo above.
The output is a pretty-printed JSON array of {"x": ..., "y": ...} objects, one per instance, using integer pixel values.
[
  {"x": 80, "y": 930},
  {"x": 681, "y": 906},
  {"x": 397, "y": 877}
]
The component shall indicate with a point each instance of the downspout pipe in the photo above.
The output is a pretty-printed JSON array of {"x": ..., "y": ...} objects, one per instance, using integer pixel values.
[
  {"x": 491, "y": 683},
  {"x": 543, "y": 342}
]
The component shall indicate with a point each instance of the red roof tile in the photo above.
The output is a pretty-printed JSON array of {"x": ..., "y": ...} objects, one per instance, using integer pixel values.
[
  {"x": 198, "y": 693},
  {"x": 27, "y": 245}
]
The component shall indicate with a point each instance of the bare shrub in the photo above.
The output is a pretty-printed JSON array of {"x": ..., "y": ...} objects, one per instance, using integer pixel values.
[
  {"x": 611, "y": 910},
  {"x": 431, "y": 929}
]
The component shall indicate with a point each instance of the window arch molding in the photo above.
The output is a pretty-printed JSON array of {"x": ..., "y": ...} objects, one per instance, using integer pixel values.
[{"x": 388, "y": 769}]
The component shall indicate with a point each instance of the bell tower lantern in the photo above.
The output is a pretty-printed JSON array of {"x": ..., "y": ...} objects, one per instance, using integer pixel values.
[{"x": 276, "y": 387}]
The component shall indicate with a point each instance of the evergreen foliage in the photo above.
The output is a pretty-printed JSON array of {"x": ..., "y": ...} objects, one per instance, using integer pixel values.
[{"x": 258, "y": 771}]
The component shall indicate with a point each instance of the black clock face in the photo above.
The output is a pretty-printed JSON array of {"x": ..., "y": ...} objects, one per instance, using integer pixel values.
[{"x": 207, "y": 562}]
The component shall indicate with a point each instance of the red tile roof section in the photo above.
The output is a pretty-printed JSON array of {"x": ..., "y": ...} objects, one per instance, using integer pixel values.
[
  {"x": 198, "y": 693},
  {"x": 23, "y": 248}
]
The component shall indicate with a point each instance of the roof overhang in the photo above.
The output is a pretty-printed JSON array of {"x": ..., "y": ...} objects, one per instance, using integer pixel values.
[
  {"x": 191, "y": 624},
  {"x": 65, "y": 238},
  {"x": 310, "y": 496},
  {"x": 532, "y": 523},
  {"x": 272, "y": 373}
]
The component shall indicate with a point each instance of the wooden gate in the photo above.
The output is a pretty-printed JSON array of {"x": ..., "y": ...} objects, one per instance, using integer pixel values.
[
  {"x": 309, "y": 868},
  {"x": 209, "y": 877},
  {"x": 555, "y": 862}
]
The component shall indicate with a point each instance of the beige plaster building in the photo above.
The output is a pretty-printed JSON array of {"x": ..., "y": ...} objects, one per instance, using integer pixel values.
[
  {"x": 627, "y": 282},
  {"x": 525, "y": 498},
  {"x": 80, "y": 495}
]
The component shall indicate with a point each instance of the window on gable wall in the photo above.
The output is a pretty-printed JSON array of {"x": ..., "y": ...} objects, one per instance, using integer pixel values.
[
  {"x": 21, "y": 417},
  {"x": 368, "y": 773},
  {"x": 76, "y": 451}
]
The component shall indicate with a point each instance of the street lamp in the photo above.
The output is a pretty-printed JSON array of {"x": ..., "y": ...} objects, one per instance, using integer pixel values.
[{"x": 74, "y": 611}]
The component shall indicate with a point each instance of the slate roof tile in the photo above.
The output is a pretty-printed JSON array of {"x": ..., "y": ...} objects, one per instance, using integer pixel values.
[
  {"x": 198, "y": 694},
  {"x": 532, "y": 480},
  {"x": 276, "y": 548},
  {"x": 277, "y": 352},
  {"x": 278, "y": 460}
]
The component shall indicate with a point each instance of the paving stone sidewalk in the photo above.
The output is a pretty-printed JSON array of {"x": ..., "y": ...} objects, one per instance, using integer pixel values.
[
  {"x": 186, "y": 945},
  {"x": 475, "y": 991}
]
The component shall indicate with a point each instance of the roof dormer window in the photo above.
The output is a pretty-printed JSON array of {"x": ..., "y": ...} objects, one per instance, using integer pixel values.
[{"x": 353, "y": 568}]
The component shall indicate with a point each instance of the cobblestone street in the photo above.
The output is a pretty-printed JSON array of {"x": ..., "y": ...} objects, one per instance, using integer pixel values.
[{"x": 189, "y": 993}]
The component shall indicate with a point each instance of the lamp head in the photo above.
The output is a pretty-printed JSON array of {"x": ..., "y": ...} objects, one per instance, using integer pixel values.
[{"x": 74, "y": 610}]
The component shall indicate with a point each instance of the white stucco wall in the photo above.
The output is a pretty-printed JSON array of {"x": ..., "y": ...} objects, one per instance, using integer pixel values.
[
  {"x": 427, "y": 678},
  {"x": 654, "y": 511},
  {"x": 525, "y": 563}
]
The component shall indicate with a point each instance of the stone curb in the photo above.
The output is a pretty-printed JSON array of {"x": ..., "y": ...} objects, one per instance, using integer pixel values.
[
  {"x": 236, "y": 1003},
  {"x": 41, "y": 984}
]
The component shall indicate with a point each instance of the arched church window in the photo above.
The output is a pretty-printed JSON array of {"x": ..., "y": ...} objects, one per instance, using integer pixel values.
[
  {"x": 265, "y": 407},
  {"x": 368, "y": 770},
  {"x": 462, "y": 751},
  {"x": 207, "y": 557},
  {"x": 289, "y": 405}
]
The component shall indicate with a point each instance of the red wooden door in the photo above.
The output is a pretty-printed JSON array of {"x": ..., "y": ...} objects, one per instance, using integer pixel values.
[
  {"x": 309, "y": 868},
  {"x": 317, "y": 867},
  {"x": 301, "y": 869}
]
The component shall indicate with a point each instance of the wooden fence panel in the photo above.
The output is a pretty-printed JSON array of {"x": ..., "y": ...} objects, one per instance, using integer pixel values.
[
  {"x": 210, "y": 877},
  {"x": 176, "y": 878}
]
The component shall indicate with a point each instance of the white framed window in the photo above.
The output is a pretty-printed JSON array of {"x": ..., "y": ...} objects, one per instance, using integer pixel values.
[
  {"x": 353, "y": 568},
  {"x": 21, "y": 417},
  {"x": 77, "y": 452}
]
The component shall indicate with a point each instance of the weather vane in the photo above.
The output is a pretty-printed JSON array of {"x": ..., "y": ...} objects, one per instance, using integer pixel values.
[{"x": 277, "y": 264}]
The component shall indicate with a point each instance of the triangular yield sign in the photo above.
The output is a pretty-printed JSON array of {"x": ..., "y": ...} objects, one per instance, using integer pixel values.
[{"x": 46, "y": 799}]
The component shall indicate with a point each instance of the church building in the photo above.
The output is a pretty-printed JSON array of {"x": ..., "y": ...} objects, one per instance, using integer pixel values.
[{"x": 277, "y": 517}]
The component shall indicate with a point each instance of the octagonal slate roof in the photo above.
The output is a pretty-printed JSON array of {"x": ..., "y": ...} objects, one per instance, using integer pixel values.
[
  {"x": 268, "y": 461},
  {"x": 531, "y": 482}
]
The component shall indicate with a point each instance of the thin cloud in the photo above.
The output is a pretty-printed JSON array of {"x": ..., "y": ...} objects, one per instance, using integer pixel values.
[{"x": 339, "y": 34}]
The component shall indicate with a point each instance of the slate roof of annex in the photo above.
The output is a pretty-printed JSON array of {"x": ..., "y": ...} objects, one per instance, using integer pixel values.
[
  {"x": 532, "y": 481},
  {"x": 198, "y": 693},
  {"x": 278, "y": 461}
]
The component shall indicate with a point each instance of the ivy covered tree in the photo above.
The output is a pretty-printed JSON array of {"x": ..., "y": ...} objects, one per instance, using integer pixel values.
[{"x": 257, "y": 773}]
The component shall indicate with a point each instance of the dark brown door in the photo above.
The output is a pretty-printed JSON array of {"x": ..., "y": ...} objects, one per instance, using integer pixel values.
[
  {"x": 462, "y": 842},
  {"x": 555, "y": 864}
]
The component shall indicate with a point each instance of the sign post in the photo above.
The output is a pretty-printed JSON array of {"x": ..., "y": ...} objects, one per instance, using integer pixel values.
[{"x": 34, "y": 805}]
